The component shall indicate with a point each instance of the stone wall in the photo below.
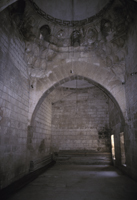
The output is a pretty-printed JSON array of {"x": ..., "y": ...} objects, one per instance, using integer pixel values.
[
  {"x": 80, "y": 121},
  {"x": 116, "y": 122},
  {"x": 14, "y": 103},
  {"x": 131, "y": 96},
  {"x": 39, "y": 136}
]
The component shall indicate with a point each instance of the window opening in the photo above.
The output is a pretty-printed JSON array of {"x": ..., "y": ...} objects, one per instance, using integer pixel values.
[{"x": 113, "y": 147}]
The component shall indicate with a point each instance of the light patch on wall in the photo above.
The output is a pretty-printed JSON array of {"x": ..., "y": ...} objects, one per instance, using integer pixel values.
[
  {"x": 70, "y": 60},
  {"x": 55, "y": 66},
  {"x": 97, "y": 64},
  {"x": 50, "y": 72}
]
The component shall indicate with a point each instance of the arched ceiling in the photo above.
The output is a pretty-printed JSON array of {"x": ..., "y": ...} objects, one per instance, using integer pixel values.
[
  {"x": 74, "y": 84},
  {"x": 71, "y": 9}
]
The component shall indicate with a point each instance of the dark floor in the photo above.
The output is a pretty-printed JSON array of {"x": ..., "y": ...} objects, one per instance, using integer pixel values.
[{"x": 79, "y": 182}]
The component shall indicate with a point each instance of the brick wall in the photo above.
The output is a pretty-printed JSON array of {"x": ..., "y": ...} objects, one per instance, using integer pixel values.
[
  {"x": 80, "y": 121},
  {"x": 14, "y": 103}
]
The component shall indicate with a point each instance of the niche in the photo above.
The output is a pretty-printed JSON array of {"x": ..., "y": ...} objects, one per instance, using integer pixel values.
[
  {"x": 45, "y": 33},
  {"x": 106, "y": 27},
  {"x": 75, "y": 38}
]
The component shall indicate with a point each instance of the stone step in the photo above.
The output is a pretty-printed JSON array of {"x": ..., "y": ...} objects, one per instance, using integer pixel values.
[{"x": 83, "y": 158}]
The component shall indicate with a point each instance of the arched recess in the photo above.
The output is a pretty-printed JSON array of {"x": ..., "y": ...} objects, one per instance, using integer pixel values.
[
  {"x": 42, "y": 146},
  {"x": 93, "y": 69},
  {"x": 117, "y": 121},
  {"x": 47, "y": 92}
]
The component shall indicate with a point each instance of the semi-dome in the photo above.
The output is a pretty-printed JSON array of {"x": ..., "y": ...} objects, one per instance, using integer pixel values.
[{"x": 71, "y": 9}]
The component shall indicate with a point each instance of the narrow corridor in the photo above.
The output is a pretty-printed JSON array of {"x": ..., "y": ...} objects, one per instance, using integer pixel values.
[{"x": 79, "y": 182}]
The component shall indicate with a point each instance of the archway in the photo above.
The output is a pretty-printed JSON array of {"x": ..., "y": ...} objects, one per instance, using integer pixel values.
[
  {"x": 61, "y": 72},
  {"x": 43, "y": 138}
]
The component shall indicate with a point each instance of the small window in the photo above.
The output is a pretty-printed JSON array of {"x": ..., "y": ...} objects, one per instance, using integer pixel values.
[
  {"x": 113, "y": 147},
  {"x": 122, "y": 145}
]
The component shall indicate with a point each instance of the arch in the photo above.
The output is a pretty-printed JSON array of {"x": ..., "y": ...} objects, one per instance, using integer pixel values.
[
  {"x": 92, "y": 69},
  {"x": 47, "y": 92}
]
